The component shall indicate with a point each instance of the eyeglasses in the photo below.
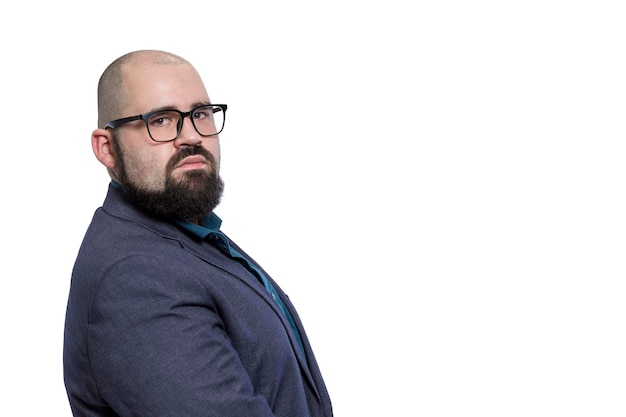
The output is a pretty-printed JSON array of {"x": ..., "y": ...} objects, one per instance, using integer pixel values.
[{"x": 166, "y": 125}]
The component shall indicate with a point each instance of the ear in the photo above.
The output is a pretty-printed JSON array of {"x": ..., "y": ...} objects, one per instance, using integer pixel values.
[{"x": 102, "y": 147}]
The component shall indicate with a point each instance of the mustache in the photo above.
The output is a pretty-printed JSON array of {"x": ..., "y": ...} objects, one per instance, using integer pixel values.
[{"x": 184, "y": 152}]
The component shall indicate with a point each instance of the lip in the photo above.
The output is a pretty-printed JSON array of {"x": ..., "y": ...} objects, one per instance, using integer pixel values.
[{"x": 192, "y": 162}]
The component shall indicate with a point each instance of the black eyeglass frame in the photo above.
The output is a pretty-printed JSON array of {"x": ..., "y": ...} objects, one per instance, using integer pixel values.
[{"x": 146, "y": 116}]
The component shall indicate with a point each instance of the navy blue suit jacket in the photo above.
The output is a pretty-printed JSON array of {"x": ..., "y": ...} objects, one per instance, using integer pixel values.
[{"x": 161, "y": 324}]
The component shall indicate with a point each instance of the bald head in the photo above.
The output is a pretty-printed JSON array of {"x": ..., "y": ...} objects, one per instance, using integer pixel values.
[{"x": 112, "y": 91}]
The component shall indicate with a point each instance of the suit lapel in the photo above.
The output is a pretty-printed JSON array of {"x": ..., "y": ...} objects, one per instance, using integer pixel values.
[{"x": 211, "y": 255}]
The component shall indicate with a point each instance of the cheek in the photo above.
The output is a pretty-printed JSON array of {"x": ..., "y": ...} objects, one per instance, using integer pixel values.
[
  {"x": 147, "y": 169},
  {"x": 216, "y": 154},
  {"x": 214, "y": 149}
]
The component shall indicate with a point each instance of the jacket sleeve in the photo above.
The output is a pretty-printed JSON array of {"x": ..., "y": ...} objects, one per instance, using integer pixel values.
[{"x": 158, "y": 346}]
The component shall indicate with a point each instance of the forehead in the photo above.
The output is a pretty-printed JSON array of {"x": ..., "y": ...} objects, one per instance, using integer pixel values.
[{"x": 152, "y": 86}]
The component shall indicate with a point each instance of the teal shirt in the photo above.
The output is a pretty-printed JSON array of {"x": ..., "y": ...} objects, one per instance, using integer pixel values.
[{"x": 209, "y": 230}]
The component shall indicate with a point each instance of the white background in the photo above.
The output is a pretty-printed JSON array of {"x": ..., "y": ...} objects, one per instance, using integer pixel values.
[{"x": 438, "y": 185}]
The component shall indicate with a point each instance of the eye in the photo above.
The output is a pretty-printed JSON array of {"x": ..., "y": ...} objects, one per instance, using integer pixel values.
[
  {"x": 203, "y": 113},
  {"x": 163, "y": 119}
]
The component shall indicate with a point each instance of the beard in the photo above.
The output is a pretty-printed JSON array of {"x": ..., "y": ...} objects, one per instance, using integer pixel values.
[{"x": 193, "y": 195}]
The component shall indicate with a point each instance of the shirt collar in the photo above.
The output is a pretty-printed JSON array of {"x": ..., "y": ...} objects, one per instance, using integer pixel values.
[{"x": 207, "y": 225}]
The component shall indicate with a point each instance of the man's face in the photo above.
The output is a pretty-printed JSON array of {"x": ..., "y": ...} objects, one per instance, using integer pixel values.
[{"x": 178, "y": 178}]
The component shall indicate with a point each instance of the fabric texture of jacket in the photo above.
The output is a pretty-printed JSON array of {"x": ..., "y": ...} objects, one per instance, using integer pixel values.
[{"x": 162, "y": 324}]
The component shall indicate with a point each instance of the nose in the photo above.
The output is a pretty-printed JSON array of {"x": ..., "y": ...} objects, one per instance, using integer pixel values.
[{"x": 188, "y": 136}]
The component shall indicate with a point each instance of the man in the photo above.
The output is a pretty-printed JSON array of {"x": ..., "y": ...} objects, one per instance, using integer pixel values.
[{"x": 166, "y": 315}]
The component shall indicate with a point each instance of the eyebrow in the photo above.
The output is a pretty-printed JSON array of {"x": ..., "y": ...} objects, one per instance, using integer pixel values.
[{"x": 166, "y": 108}]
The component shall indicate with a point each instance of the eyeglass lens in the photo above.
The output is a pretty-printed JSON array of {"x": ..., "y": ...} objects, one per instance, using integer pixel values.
[{"x": 166, "y": 125}]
